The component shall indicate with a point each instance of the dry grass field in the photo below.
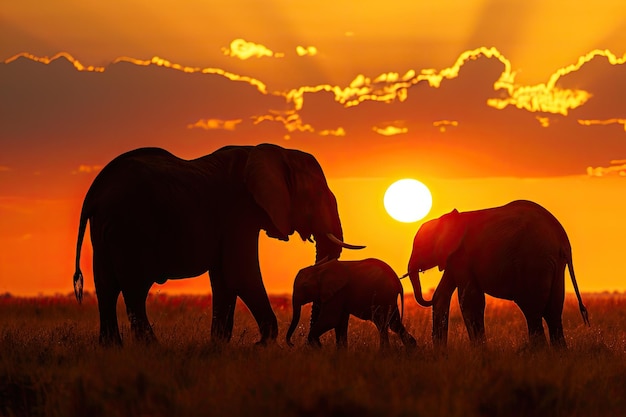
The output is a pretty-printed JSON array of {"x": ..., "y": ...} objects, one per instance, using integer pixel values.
[{"x": 52, "y": 365}]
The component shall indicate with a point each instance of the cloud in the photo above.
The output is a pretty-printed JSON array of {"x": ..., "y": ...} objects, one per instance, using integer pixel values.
[
  {"x": 549, "y": 97},
  {"x": 333, "y": 132},
  {"x": 445, "y": 116},
  {"x": 210, "y": 124},
  {"x": 540, "y": 98},
  {"x": 46, "y": 60},
  {"x": 444, "y": 124},
  {"x": 390, "y": 130},
  {"x": 604, "y": 122},
  {"x": 87, "y": 169},
  {"x": 242, "y": 49},
  {"x": 306, "y": 50},
  {"x": 617, "y": 167}
]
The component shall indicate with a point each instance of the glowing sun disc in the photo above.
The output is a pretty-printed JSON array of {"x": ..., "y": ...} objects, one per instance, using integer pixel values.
[{"x": 408, "y": 200}]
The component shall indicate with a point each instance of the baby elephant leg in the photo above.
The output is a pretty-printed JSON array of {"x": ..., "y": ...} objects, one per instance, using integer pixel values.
[
  {"x": 328, "y": 319},
  {"x": 398, "y": 328},
  {"x": 341, "y": 331}
]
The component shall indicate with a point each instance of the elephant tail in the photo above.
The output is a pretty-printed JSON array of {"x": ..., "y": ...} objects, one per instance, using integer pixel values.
[
  {"x": 581, "y": 306},
  {"x": 78, "y": 275}
]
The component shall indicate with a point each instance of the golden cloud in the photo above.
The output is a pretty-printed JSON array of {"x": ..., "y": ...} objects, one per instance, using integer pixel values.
[
  {"x": 87, "y": 169},
  {"x": 390, "y": 130},
  {"x": 46, "y": 60},
  {"x": 617, "y": 167},
  {"x": 211, "y": 124},
  {"x": 604, "y": 122},
  {"x": 340, "y": 131},
  {"x": 444, "y": 124},
  {"x": 547, "y": 97},
  {"x": 306, "y": 50},
  {"x": 161, "y": 62},
  {"x": 242, "y": 49},
  {"x": 541, "y": 98},
  {"x": 543, "y": 121},
  {"x": 290, "y": 119}
]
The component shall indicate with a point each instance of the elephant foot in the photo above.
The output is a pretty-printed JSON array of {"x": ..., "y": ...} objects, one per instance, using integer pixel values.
[
  {"x": 267, "y": 341},
  {"x": 314, "y": 343},
  {"x": 110, "y": 342},
  {"x": 146, "y": 339},
  {"x": 408, "y": 341}
]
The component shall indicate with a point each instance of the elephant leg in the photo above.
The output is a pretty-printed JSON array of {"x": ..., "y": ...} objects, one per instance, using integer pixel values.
[
  {"x": 555, "y": 328},
  {"x": 441, "y": 310},
  {"x": 315, "y": 312},
  {"x": 329, "y": 318},
  {"x": 381, "y": 317},
  {"x": 224, "y": 301},
  {"x": 107, "y": 292},
  {"x": 135, "y": 299},
  {"x": 240, "y": 275},
  {"x": 397, "y": 327},
  {"x": 256, "y": 299},
  {"x": 472, "y": 304},
  {"x": 536, "y": 334},
  {"x": 553, "y": 314},
  {"x": 341, "y": 331}
]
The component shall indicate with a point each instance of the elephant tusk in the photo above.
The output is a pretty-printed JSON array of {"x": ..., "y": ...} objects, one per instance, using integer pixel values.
[
  {"x": 409, "y": 273},
  {"x": 336, "y": 241},
  {"x": 310, "y": 239}
]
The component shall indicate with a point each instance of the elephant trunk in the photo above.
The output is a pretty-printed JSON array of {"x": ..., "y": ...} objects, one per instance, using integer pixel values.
[
  {"x": 414, "y": 276},
  {"x": 328, "y": 233},
  {"x": 325, "y": 249},
  {"x": 297, "y": 307}
]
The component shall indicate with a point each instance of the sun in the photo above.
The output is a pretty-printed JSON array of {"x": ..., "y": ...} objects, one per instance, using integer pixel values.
[{"x": 408, "y": 200}]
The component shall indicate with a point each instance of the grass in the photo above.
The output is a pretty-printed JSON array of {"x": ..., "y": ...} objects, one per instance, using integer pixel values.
[{"x": 51, "y": 364}]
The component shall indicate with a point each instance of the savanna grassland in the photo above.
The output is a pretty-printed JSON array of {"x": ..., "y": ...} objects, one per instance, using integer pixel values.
[{"x": 51, "y": 364}]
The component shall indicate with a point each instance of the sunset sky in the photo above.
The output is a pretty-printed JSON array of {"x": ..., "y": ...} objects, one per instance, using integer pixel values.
[{"x": 483, "y": 101}]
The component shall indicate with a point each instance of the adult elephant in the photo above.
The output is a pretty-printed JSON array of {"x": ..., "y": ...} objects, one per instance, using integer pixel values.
[
  {"x": 154, "y": 217},
  {"x": 368, "y": 289},
  {"x": 516, "y": 252}
]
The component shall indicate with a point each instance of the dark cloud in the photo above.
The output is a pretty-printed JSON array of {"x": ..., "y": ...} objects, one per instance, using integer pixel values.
[{"x": 54, "y": 118}]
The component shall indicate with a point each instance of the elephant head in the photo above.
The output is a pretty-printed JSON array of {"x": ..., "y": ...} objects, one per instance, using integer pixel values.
[
  {"x": 290, "y": 186},
  {"x": 434, "y": 242},
  {"x": 312, "y": 284}
]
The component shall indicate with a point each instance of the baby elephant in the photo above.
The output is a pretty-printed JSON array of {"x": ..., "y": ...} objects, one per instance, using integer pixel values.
[{"x": 367, "y": 289}]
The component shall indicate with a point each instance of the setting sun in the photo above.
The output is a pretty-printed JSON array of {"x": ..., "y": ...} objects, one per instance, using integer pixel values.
[{"x": 408, "y": 200}]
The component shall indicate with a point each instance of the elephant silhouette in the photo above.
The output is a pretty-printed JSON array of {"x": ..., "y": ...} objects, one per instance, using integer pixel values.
[
  {"x": 154, "y": 217},
  {"x": 517, "y": 252}
]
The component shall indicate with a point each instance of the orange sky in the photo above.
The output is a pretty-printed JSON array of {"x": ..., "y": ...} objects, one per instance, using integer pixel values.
[{"x": 484, "y": 103}]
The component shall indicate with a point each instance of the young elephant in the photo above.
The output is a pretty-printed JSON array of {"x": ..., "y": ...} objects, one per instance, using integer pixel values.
[{"x": 367, "y": 289}]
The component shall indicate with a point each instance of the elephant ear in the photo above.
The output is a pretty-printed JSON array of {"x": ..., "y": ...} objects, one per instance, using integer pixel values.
[
  {"x": 265, "y": 176},
  {"x": 449, "y": 238}
]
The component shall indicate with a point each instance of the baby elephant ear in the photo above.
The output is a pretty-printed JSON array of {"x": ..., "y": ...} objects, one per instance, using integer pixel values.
[{"x": 265, "y": 176}]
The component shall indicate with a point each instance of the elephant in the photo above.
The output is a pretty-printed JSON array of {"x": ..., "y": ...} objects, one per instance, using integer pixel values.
[
  {"x": 154, "y": 216},
  {"x": 367, "y": 289},
  {"x": 515, "y": 252}
]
